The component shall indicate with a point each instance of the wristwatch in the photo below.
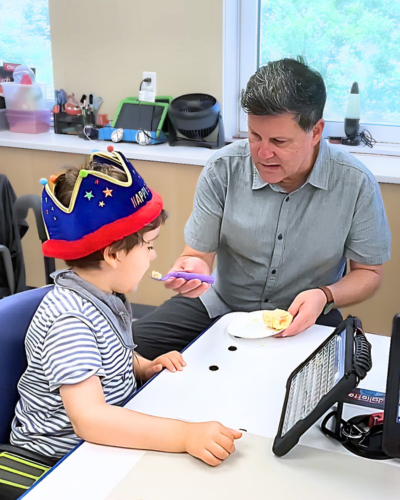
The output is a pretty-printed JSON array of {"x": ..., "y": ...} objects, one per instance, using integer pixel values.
[{"x": 330, "y": 304}]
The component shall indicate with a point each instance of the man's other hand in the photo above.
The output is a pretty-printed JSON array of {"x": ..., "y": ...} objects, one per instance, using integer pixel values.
[{"x": 305, "y": 309}]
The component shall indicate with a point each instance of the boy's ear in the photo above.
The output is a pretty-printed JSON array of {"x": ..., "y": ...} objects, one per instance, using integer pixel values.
[{"x": 110, "y": 257}]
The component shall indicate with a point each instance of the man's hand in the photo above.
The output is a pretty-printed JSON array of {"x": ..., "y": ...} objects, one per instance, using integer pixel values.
[
  {"x": 192, "y": 288},
  {"x": 173, "y": 361},
  {"x": 210, "y": 441},
  {"x": 305, "y": 309}
]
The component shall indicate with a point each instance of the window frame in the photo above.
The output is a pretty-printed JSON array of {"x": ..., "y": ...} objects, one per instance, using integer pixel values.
[{"x": 241, "y": 53}]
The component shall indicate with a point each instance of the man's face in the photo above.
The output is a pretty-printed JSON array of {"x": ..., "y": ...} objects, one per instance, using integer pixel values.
[{"x": 280, "y": 148}]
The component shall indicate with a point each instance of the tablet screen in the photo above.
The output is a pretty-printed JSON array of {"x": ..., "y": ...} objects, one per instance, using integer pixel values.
[{"x": 314, "y": 381}]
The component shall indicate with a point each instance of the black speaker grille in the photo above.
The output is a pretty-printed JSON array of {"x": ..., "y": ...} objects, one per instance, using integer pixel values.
[{"x": 197, "y": 134}]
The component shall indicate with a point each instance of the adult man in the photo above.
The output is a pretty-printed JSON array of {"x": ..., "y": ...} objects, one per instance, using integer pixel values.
[{"x": 283, "y": 211}]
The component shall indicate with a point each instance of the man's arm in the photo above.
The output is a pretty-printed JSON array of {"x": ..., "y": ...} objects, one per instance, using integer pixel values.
[
  {"x": 191, "y": 261},
  {"x": 202, "y": 231},
  {"x": 368, "y": 241},
  {"x": 98, "y": 422},
  {"x": 360, "y": 284}
]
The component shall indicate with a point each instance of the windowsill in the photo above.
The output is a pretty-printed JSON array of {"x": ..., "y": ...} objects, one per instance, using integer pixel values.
[
  {"x": 379, "y": 149},
  {"x": 60, "y": 143},
  {"x": 383, "y": 160}
]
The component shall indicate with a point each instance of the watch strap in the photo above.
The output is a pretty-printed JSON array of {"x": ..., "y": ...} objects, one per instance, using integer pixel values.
[
  {"x": 330, "y": 304},
  {"x": 328, "y": 293}
]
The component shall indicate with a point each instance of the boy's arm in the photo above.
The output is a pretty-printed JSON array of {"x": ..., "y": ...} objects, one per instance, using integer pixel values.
[{"x": 98, "y": 422}]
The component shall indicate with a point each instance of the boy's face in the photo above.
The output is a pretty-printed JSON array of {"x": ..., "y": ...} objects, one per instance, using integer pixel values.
[{"x": 131, "y": 267}]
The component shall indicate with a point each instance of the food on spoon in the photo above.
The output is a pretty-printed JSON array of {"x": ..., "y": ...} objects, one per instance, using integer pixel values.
[
  {"x": 156, "y": 275},
  {"x": 277, "y": 319}
]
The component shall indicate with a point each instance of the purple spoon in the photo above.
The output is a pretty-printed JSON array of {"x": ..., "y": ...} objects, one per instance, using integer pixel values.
[{"x": 187, "y": 276}]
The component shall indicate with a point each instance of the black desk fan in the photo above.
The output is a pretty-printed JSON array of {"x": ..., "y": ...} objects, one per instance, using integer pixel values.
[{"x": 196, "y": 120}]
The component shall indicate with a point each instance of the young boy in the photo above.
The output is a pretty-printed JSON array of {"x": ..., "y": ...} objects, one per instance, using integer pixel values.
[{"x": 103, "y": 221}]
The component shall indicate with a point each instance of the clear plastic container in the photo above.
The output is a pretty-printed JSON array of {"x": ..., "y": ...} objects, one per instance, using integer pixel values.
[
  {"x": 25, "y": 97},
  {"x": 29, "y": 122}
]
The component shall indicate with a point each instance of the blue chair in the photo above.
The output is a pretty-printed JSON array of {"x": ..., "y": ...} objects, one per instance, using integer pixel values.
[{"x": 16, "y": 313}]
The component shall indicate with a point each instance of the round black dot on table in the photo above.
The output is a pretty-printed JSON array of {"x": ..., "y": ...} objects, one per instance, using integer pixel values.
[
  {"x": 232, "y": 348},
  {"x": 214, "y": 368}
]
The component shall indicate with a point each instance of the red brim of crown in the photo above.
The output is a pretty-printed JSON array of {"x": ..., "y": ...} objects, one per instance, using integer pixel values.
[{"x": 106, "y": 235}]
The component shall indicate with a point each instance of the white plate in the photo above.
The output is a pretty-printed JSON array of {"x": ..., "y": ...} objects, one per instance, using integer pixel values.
[{"x": 250, "y": 326}]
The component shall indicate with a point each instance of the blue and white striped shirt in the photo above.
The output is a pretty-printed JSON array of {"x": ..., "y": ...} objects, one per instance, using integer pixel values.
[{"x": 68, "y": 341}]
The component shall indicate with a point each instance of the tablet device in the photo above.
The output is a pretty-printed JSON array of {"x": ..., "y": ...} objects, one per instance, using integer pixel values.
[
  {"x": 133, "y": 114},
  {"x": 322, "y": 380},
  {"x": 391, "y": 424}
]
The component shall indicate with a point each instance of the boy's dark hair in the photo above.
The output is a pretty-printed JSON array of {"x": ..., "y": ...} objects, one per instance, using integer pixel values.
[
  {"x": 286, "y": 86},
  {"x": 63, "y": 188}
]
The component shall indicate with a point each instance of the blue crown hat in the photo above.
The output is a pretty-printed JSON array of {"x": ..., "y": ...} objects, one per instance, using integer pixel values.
[{"x": 102, "y": 210}]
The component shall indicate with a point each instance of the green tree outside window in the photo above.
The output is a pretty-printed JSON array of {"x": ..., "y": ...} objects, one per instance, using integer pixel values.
[
  {"x": 346, "y": 41},
  {"x": 25, "y": 37}
]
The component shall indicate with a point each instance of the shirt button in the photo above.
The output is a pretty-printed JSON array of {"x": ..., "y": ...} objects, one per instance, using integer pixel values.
[
  {"x": 280, "y": 237},
  {"x": 273, "y": 271},
  {"x": 287, "y": 198}
]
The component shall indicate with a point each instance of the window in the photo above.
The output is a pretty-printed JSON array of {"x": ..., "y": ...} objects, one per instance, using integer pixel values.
[
  {"x": 345, "y": 40},
  {"x": 25, "y": 37}
]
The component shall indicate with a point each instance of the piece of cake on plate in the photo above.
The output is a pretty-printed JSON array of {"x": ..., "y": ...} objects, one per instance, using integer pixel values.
[{"x": 277, "y": 319}]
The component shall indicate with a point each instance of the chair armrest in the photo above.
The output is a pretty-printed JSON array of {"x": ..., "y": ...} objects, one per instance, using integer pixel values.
[{"x": 28, "y": 455}]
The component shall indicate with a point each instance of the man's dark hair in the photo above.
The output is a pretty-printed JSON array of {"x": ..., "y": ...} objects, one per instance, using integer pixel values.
[{"x": 286, "y": 86}]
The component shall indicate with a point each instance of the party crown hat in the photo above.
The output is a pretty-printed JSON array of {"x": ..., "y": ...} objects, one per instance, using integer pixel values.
[{"x": 102, "y": 210}]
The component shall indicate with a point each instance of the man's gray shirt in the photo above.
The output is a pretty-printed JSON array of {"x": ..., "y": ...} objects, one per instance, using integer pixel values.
[{"x": 272, "y": 245}]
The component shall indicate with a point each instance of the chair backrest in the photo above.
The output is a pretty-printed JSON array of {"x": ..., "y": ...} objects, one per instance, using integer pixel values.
[
  {"x": 16, "y": 313},
  {"x": 8, "y": 266},
  {"x": 20, "y": 213},
  {"x": 21, "y": 209}
]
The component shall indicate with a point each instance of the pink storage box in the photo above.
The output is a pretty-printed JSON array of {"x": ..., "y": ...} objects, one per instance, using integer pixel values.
[{"x": 29, "y": 122}]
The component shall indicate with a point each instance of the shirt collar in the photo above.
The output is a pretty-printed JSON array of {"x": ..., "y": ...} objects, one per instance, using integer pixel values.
[{"x": 318, "y": 176}]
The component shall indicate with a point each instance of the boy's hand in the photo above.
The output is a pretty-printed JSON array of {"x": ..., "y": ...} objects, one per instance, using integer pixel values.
[
  {"x": 210, "y": 441},
  {"x": 173, "y": 361}
]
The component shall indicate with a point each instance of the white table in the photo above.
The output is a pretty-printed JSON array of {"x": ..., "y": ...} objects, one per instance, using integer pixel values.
[{"x": 246, "y": 392}]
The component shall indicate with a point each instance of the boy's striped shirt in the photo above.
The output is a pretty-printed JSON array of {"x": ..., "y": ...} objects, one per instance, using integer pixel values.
[{"x": 68, "y": 341}]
